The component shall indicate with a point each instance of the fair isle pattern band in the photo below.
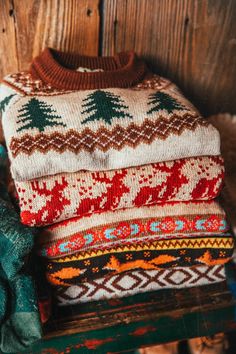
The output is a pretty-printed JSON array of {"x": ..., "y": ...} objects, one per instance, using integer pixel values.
[
  {"x": 25, "y": 84},
  {"x": 218, "y": 242},
  {"x": 142, "y": 230},
  {"x": 60, "y": 230},
  {"x": 56, "y": 198},
  {"x": 133, "y": 282},
  {"x": 104, "y": 139},
  {"x": 71, "y": 269},
  {"x": 99, "y": 129}
]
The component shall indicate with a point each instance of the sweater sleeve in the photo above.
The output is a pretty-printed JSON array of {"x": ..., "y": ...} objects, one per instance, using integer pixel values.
[{"x": 8, "y": 95}]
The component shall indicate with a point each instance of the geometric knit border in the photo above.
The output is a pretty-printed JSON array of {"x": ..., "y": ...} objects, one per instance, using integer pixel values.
[
  {"x": 196, "y": 243},
  {"x": 130, "y": 283},
  {"x": 143, "y": 230},
  {"x": 24, "y": 83},
  {"x": 104, "y": 139},
  {"x": 77, "y": 271}
]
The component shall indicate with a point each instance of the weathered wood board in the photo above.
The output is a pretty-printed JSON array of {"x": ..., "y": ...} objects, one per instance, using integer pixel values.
[{"x": 192, "y": 42}]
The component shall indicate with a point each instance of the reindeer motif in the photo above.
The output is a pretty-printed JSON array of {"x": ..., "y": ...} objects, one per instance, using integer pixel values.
[
  {"x": 53, "y": 207},
  {"x": 110, "y": 198},
  {"x": 210, "y": 180},
  {"x": 151, "y": 195},
  {"x": 206, "y": 187}
]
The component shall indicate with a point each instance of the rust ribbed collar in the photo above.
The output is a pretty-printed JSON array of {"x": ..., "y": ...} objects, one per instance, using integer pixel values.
[{"x": 59, "y": 69}]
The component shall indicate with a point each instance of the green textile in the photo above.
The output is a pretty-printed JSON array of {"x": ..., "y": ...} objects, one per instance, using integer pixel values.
[{"x": 19, "y": 317}]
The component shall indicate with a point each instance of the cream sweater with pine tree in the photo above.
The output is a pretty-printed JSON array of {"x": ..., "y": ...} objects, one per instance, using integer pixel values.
[{"x": 56, "y": 119}]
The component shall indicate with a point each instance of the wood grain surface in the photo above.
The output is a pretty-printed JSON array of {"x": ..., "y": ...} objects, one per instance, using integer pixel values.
[
  {"x": 121, "y": 325},
  {"x": 192, "y": 42},
  {"x": 31, "y": 25}
]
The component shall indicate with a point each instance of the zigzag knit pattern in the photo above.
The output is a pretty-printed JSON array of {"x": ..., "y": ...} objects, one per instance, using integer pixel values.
[
  {"x": 91, "y": 265},
  {"x": 220, "y": 241},
  {"x": 104, "y": 139}
]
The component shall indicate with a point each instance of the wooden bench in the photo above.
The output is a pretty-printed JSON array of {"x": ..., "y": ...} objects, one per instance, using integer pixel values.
[{"x": 123, "y": 325}]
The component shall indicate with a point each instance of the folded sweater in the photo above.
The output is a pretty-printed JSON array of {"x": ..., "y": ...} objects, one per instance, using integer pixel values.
[
  {"x": 147, "y": 223},
  {"x": 160, "y": 254},
  {"x": 136, "y": 282},
  {"x": 141, "y": 243},
  {"x": 58, "y": 120},
  {"x": 55, "y": 198}
]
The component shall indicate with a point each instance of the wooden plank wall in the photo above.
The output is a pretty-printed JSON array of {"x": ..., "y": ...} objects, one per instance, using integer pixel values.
[{"x": 192, "y": 42}]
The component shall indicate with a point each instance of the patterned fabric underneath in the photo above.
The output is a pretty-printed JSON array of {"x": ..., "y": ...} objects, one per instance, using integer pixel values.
[
  {"x": 63, "y": 196},
  {"x": 92, "y": 265},
  {"x": 138, "y": 231},
  {"x": 143, "y": 224},
  {"x": 140, "y": 281}
]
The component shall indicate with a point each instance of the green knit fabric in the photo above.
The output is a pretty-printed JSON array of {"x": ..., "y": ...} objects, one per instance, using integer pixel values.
[{"x": 19, "y": 317}]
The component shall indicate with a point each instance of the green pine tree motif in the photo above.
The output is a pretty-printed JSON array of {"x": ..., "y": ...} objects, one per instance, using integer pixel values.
[
  {"x": 5, "y": 102},
  {"x": 38, "y": 114},
  {"x": 103, "y": 105},
  {"x": 161, "y": 100}
]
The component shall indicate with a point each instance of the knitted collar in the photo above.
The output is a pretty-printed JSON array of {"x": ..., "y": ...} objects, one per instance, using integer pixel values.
[{"x": 59, "y": 69}]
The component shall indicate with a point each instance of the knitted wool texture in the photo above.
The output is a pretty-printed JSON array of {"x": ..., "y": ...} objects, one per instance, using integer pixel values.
[
  {"x": 136, "y": 225},
  {"x": 19, "y": 318},
  {"x": 50, "y": 130},
  {"x": 226, "y": 124},
  {"x": 55, "y": 198},
  {"x": 136, "y": 282},
  {"x": 209, "y": 247},
  {"x": 160, "y": 254}
]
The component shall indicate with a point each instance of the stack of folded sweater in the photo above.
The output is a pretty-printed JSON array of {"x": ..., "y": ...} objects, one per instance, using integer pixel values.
[{"x": 121, "y": 171}]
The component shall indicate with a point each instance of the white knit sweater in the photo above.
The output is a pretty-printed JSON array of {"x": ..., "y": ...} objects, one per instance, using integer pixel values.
[{"x": 64, "y": 131}]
